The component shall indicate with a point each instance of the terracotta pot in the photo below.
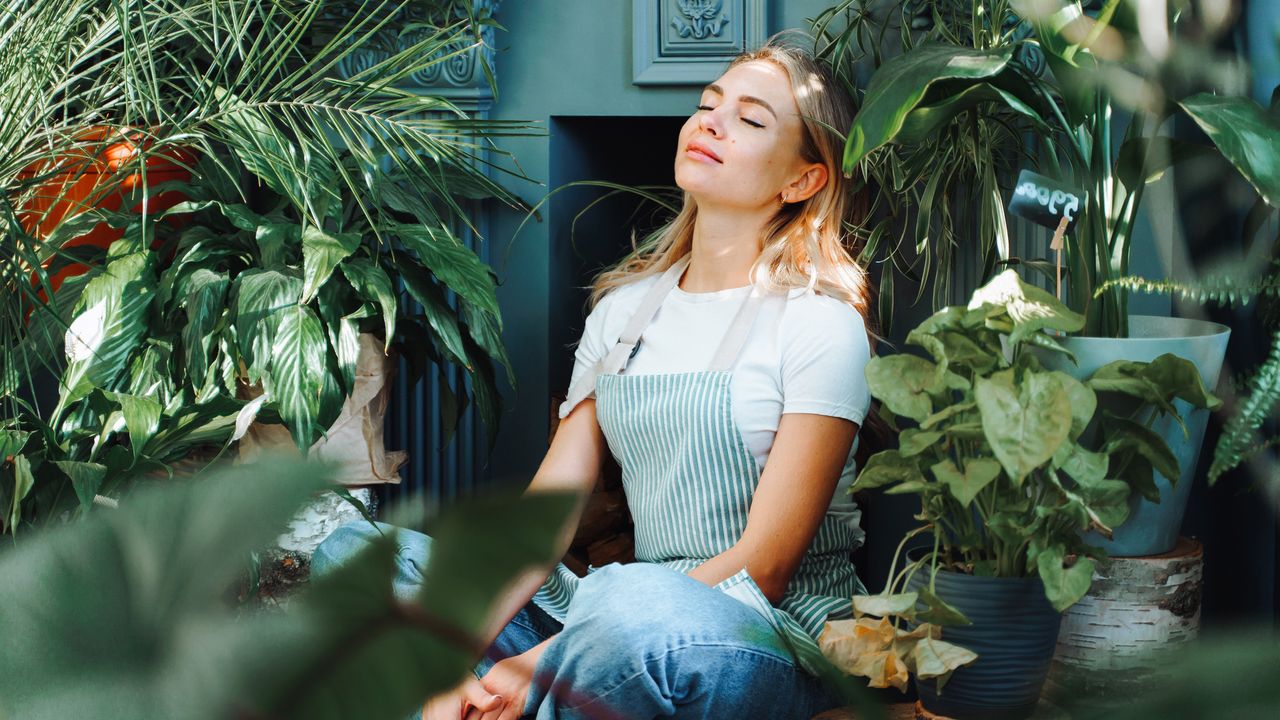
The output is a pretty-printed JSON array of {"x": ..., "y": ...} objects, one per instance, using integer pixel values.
[{"x": 89, "y": 177}]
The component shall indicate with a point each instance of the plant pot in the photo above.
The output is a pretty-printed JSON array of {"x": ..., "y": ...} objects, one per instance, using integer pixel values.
[
  {"x": 354, "y": 441},
  {"x": 1153, "y": 529},
  {"x": 91, "y": 178},
  {"x": 1014, "y": 632}
]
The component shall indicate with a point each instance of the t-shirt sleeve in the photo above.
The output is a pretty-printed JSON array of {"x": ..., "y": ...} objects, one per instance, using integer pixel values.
[
  {"x": 824, "y": 360},
  {"x": 592, "y": 346}
]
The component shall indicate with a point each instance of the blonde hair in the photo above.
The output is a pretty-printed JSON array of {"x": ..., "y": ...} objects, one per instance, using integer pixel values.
[{"x": 805, "y": 244}]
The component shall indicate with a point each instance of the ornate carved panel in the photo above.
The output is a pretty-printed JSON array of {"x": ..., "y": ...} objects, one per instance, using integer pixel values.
[
  {"x": 688, "y": 42},
  {"x": 459, "y": 78}
]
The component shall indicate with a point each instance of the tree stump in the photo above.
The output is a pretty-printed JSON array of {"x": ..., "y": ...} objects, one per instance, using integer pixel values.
[{"x": 1138, "y": 617}]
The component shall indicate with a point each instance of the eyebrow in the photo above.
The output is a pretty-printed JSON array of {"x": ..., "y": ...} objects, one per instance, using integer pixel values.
[{"x": 743, "y": 98}]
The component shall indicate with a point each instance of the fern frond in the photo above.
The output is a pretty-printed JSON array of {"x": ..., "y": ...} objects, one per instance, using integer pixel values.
[
  {"x": 1222, "y": 290},
  {"x": 1240, "y": 436}
]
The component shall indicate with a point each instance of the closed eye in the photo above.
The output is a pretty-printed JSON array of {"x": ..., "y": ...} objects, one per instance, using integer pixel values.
[{"x": 752, "y": 123}]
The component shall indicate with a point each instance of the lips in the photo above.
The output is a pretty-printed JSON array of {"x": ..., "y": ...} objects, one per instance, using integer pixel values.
[{"x": 700, "y": 148}]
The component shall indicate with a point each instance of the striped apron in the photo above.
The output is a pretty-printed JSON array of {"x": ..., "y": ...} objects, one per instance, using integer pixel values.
[{"x": 689, "y": 479}]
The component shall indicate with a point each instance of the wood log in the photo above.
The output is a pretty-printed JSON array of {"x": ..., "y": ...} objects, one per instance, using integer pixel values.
[{"x": 1124, "y": 635}]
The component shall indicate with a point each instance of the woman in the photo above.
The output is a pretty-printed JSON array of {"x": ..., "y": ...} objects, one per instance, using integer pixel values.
[{"x": 722, "y": 366}]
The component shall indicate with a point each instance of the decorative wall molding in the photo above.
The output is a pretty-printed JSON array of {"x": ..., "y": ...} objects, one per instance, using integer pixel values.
[
  {"x": 688, "y": 42},
  {"x": 459, "y": 79}
]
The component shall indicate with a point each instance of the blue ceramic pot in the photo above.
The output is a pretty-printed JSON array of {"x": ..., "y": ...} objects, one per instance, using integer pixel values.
[
  {"x": 1014, "y": 633},
  {"x": 1153, "y": 529}
]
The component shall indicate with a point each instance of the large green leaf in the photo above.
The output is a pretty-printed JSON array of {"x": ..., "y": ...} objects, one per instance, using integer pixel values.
[
  {"x": 21, "y": 481},
  {"x": 887, "y": 467},
  {"x": 110, "y": 322},
  {"x": 486, "y": 330},
  {"x": 965, "y": 486},
  {"x": 454, "y": 264},
  {"x": 259, "y": 298},
  {"x": 205, "y": 302},
  {"x": 86, "y": 478},
  {"x": 1246, "y": 135},
  {"x": 1083, "y": 401},
  {"x": 141, "y": 417},
  {"x": 1125, "y": 433},
  {"x": 901, "y": 84},
  {"x": 925, "y": 119},
  {"x": 1064, "y": 586},
  {"x": 1025, "y": 423},
  {"x": 321, "y": 253},
  {"x": 443, "y": 321},
  {"x": 301, "y": 384},
  {"x": 1028, "y": 307},
  {"x": 903, "y": 382},
  {"x": 373, "y": 284}
]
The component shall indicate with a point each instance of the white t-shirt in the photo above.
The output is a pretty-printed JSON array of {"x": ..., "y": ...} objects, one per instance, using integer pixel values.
[{"x": 810, "y": 360}]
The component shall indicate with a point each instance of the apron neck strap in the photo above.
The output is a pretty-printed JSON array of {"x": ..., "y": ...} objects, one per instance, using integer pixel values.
[{"x": 629, "y": 341}]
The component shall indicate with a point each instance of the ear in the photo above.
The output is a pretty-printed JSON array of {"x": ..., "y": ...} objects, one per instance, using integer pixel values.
[{"x": 813, "y": 177}]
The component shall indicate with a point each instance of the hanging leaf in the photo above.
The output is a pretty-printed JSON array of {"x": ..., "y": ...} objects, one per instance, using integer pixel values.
[
  {"x": 887, "y": 467},
  {"x": 439, "y": 315},
  {"x": 22, "y": 481},
  {"x": 936, "y": 660},
  {"x": 204, "y": 303},
  {"x": 321, "y": 253},
  {"x": 86, "y": 478},
  {"x": 903, "y": 383},
  {"x": 1024, "y": 423},
  {"x": 1246, "y": 135},
  {"x": 456, "y": 265},
  {"x": 373, "y": 284},
  {"x": 300, "y": 377},
  {"x": 141, "y": 418},
  {"x": 1064, "y": 586},
  {"x": 901, "y": 84},
  {"x": 259, "y": 298}
]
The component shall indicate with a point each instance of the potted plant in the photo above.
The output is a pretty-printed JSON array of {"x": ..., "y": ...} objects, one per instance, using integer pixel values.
[
  {"x": 1011, "y": 462},
  {"x": 1088, "y": 58},
  {"x": 316, "y": 201}
]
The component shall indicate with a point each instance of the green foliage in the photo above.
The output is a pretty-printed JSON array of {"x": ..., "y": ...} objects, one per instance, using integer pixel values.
[
  {"x": 315, "y": 192},
  {"x": 940, "y": 129},
  {"x": 999, "y": 455},
  {"x": 129, "y": 614},
  {"x": 1241, "y": 438}
]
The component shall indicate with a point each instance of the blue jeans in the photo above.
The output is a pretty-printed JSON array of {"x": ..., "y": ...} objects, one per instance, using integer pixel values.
[{"x": 640, "y": 641}]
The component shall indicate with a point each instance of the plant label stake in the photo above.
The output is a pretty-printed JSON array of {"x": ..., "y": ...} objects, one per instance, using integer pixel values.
[
  {"x": 1056, "y": 246},
  {"x": 1050, "y": 204}
]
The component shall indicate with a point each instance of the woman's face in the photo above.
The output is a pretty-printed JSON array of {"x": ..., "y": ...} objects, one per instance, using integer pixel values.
[{"x": 748, "y": 120}]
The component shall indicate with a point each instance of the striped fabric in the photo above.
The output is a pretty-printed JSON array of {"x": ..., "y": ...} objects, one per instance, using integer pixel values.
[{"x": 689, "y": 479}]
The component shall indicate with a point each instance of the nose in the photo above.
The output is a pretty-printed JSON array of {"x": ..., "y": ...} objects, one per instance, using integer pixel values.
[{"x": 710, "y": 122}]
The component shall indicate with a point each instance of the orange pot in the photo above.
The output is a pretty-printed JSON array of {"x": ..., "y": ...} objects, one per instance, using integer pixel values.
[{"x": 90, "y": 177}]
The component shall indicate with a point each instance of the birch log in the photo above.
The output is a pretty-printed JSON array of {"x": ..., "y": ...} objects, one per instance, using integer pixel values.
[{"x": 1125, "y": 634}]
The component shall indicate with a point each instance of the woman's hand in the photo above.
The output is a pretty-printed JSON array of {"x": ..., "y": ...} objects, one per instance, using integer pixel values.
[
  {"x": 455, "y": 704},
  {"x": 510, "y": 679}
]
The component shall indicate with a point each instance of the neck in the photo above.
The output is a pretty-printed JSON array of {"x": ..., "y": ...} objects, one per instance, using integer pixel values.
[{"x": 726, "y": 242}]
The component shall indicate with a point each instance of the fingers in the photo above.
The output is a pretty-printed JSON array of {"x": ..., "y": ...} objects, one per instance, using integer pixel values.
[{"x": 475, "y": 694}]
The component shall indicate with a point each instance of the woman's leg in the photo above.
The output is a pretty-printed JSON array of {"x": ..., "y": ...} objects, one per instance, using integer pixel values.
[
  {"x": 644, "y": 641},
  {"x": 530, "y": 626}
]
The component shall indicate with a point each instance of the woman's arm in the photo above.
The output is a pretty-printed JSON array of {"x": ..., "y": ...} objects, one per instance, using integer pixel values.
[
  {"x": 573, "y": 462},
  {"x": 809, "y": 452}
]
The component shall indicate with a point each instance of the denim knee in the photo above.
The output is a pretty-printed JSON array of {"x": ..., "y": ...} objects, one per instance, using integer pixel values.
[
  {"x": 646, "y": 601},
  {"x": 345, "y": 542}
]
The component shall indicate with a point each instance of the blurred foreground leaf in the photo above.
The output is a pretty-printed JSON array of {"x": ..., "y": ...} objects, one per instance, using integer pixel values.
[{"x": 128, "y": 613}]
